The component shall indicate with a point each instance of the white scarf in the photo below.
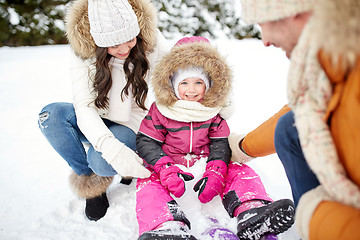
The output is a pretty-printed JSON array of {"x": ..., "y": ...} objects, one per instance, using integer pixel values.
[{"x": 188, "y": 111}]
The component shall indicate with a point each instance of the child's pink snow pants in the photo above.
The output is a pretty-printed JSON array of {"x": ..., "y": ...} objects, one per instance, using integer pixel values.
[{"x": 154, "y": 205}]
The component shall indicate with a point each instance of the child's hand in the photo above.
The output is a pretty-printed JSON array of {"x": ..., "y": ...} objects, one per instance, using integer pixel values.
[
  {"x": 212, "y": 182},
  {"x": 170, "y": 176}
]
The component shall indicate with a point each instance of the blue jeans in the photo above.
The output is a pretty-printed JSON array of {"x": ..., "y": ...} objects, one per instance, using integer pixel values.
[
  {"x": 287, "y": 145},
  {"x": 57, "y": 121}
]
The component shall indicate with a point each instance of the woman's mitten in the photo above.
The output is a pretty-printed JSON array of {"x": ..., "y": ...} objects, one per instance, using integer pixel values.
[
  {"x": 171, "y": 176},
  {"x": 123, "y": 159},
  {"x": 212, "y": 182}
]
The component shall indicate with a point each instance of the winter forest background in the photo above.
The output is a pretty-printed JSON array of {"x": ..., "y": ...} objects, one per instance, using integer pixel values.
[{"x": 40, "y": 22}]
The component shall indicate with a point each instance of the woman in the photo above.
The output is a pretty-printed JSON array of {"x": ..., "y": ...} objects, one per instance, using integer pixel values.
[{"x": 116, "y": 44}]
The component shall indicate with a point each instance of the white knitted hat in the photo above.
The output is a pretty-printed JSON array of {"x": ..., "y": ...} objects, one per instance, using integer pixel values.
[
  {"x": 260, "y": 11},
  {"x": 181, "y": 74},
  {"x": 112, "y": 22}
]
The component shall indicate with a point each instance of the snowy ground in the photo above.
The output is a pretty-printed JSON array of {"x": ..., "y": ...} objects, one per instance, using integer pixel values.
[{"x": 36, "y": 200}]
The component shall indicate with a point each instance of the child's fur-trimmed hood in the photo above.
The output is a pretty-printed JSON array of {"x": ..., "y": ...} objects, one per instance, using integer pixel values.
[
  {"x": 196, "y": 54},
  {"x": 78, "y": 26}
]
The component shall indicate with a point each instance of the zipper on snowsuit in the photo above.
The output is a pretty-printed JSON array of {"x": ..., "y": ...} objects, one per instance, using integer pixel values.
[{"x": 191, "y": 143}]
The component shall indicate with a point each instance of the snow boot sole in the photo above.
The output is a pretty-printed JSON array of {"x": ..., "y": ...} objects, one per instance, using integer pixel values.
[
  {"x": 161, "y": 235},
  {"x": 274, "y": 218}
]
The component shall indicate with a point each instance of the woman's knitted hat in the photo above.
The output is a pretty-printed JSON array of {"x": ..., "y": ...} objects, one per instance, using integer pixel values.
[
  {"x": 112, "y": 22},
  {"x": 195, "y": 72},
  {"x": 260, "y": 11}
]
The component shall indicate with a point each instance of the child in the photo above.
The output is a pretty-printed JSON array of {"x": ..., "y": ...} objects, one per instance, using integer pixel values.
[
  {"x": 117, "y": 45},
  {"x": 191, "y": 85}
]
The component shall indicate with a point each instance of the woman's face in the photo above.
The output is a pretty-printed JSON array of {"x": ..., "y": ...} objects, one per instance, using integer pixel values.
[{"x": 122, "y": 51}]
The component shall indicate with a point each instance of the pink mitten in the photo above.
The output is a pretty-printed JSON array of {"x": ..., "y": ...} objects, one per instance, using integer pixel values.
[
  {"x": 212, "y": 182},
  {"x": 169, "y": 175}
]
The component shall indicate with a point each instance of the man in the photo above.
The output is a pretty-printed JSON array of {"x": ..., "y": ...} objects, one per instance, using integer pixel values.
[
  {"x": 321, "y": 39},
  {"x": 282, "y": 23}
]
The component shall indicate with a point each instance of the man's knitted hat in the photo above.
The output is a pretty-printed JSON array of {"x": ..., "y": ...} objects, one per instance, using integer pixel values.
[
  {"x": 112, "y": 22},
  {"x": 195, "y": 72},
  {"x": 260, "y": 11}
]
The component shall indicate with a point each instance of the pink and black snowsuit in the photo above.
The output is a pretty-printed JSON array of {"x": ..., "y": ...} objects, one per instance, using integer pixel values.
[{"x": 169, "y": 131}]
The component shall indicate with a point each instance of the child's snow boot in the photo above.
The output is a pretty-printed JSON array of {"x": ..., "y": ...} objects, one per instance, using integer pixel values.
[
  {"x": 219, "y": 232},
  {"x": 171, "y": 230},
  {"x": 275, "y": 218},
  {"x": 269, "y": 237}
]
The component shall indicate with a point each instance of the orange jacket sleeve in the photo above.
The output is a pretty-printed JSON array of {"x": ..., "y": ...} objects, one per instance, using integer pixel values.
[
  {"x": 260, "y": 141},
  {"x": 333, "y": 220}
]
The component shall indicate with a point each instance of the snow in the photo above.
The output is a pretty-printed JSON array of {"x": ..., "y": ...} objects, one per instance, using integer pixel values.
[{"x": 37, "y": 202}]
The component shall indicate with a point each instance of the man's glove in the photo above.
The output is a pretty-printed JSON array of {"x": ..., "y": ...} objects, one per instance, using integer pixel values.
[
  {"x": 171, "y": 176},
  {"x": 237, "y": 154},
  {"x": 212, "y": 182}
]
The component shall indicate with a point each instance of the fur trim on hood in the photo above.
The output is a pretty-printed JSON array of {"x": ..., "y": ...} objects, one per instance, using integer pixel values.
[
  {"x": 78, "y": 26},
  {"x": 198, "y": 54},
  {"x": 336, "y": 29}
]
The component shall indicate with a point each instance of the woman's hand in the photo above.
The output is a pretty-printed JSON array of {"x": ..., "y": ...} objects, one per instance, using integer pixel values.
[{"x": 124, "y": 160}]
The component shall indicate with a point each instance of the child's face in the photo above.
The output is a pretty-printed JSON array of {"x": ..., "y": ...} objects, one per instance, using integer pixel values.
[
  {"x": 122, "y": 51},
  {"x": 192, "y": 89}
]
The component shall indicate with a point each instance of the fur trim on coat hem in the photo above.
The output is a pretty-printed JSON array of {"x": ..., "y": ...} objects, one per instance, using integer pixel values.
[{"x": 89, "y": 186}]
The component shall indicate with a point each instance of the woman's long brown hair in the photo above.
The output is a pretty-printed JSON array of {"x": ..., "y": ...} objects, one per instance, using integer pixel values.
[{"x": 136, "y": 66}]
